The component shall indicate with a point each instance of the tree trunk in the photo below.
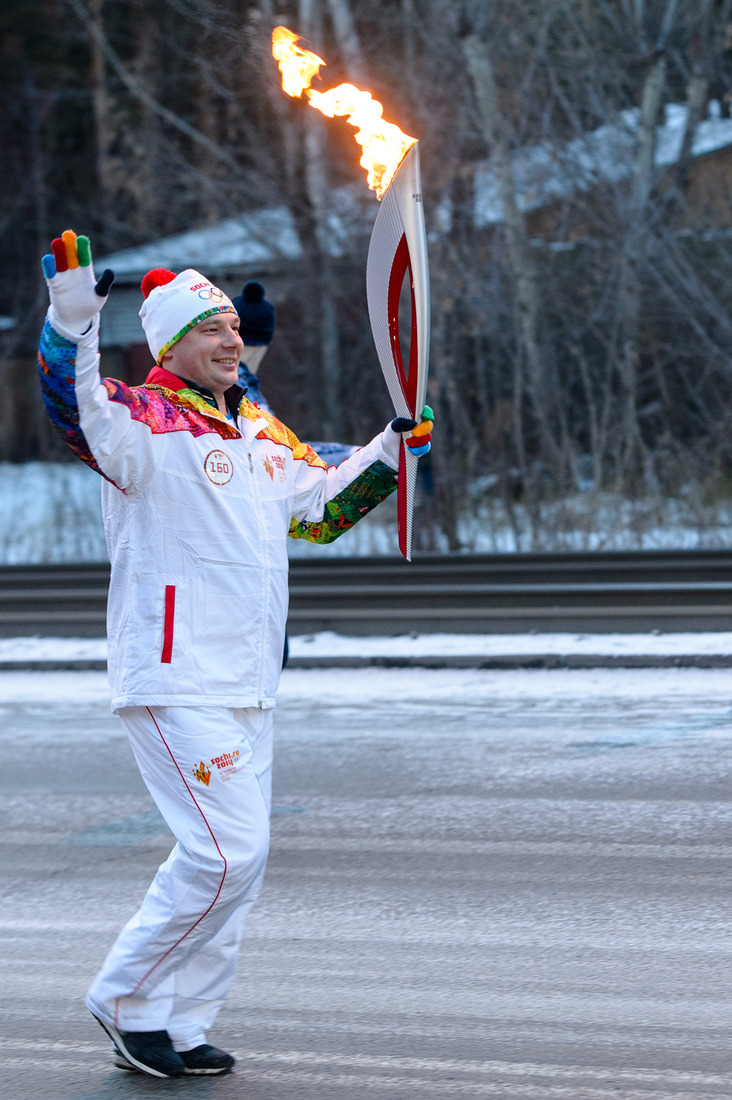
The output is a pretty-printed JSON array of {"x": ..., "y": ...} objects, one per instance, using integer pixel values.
[
  {"x": 347, "y": 38},
  {"x": 101, "y": 111},
  {"x": 325, "y": 312},
  {"x": 409, "y": 18},
  {"x": 632, "y": 457},
  {"x": 139, "y": 178},
  {"x": 521, "y": 264},
  {"x": 697, "y": 91}
]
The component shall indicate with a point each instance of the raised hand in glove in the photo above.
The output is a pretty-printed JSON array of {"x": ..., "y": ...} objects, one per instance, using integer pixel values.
[
  {"x": 76, "y": 297},
  {"x": 419, "y": 440}
]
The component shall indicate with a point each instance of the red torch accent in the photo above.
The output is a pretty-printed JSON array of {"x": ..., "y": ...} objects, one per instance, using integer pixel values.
[
  {"x": 398, "y": 250},
  {"x": 407, "y": 378}
]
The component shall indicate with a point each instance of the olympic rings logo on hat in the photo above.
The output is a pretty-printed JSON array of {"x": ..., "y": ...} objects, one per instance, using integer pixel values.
[{"x": 211, "y": 294}]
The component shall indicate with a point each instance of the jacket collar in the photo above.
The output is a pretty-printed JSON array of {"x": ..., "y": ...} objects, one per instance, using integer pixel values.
[{"x": 159, "y": 376}]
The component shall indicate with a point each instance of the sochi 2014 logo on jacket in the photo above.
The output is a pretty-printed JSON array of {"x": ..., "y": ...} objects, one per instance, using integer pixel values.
[
  {"x": 275, "y": 462},
  {"x": 202, "y": 772},
  {"x": 219, "y": 467}
]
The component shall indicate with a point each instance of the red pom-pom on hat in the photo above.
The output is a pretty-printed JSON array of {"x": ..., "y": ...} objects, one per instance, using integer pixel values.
[{"x": 159, "y": 276}]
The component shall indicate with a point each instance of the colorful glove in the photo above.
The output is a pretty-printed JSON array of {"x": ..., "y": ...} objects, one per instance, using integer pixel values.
[
  {"x": 75, "y": 296},
  {"x": 420, "y": 440}
]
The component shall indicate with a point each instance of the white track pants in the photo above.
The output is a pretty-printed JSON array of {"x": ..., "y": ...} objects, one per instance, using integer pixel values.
[{"x": 210, "y": 772}]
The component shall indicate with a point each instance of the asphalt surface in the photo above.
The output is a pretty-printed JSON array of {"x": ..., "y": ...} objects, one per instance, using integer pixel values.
[{"x": 482, "y": 884}]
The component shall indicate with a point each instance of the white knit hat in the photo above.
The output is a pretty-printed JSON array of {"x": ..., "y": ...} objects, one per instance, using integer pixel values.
[{"x": 174, "y": 304}]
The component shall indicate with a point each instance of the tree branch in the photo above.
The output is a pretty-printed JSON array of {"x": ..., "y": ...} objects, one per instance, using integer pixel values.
[{"x": 137, "y": 89}]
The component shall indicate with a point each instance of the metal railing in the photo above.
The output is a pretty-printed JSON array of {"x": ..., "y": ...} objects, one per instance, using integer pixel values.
[{"x": 609, "y": 591}]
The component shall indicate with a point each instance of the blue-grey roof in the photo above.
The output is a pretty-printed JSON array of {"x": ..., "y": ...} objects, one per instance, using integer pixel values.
[
  {"x": 548, "y": 172},
  {"x": 252, "y": 239}
]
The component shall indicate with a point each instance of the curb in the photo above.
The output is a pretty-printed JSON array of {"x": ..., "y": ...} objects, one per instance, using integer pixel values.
[
  {"x": 495, "y": 663},
  {"x": 521, "y": 661},
  {"x": 89, "y": 664}
]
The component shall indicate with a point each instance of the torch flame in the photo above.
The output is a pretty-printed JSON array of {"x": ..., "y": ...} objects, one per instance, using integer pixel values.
[
  {"x": 384, "y": 144},
  {"x": 298, "y": 67}
]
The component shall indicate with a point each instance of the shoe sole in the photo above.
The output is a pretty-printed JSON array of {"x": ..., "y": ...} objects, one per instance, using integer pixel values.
[
  {"x": 117, "y": 1039},
  {"x": 120, "y": 1061},
  {"x": 208, "y": 1072}
]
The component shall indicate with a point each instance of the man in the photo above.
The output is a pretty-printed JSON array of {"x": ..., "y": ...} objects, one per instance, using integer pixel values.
[{"x": 200, "y": 490}]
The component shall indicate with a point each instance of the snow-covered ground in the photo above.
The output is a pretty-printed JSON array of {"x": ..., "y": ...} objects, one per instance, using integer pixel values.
[
  {"x": 653, "y": 690},
  {"x": 328, "y": 644},
  {"x": 50, "y": 514}
]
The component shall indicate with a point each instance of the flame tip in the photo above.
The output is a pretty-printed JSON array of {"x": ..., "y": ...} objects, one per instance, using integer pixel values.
[{"x": 384, "y": 144}]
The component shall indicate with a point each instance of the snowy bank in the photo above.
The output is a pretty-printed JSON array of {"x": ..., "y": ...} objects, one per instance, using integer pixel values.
[
  {"x": 50, "y": 514},
  {"x": 326, "y": 644}
]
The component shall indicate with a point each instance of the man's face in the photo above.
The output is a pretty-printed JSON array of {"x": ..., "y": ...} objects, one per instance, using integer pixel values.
[{"x": 208, "y": 354}]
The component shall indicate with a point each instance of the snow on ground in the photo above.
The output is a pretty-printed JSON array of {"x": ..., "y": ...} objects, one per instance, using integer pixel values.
[
  {"x": 461, "y": 689},
  {"x": 53, "y": 649},
  {"x": 475, "y": 688},
  {"x": 329, "y": 644},
  {"x": 50, "y": 514},
  {"x": 39, "y": 689}
]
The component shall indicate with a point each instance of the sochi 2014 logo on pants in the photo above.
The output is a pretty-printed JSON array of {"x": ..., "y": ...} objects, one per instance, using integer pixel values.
[{"x": 219, "y": 467}]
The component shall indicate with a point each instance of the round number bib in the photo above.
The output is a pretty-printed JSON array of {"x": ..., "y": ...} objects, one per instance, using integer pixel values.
[{"x": 219, "y": 467}]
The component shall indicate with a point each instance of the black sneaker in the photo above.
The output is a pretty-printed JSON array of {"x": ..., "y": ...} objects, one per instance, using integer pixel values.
[
  {"x": 149, "y": 1051},
  {"x": 201, "y": 1061},
  {"x": 207, "y": 1060},
  {"x": 121, "y": 1062}
]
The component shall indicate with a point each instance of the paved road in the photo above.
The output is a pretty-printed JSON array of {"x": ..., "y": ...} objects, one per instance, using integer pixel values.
[{"x": 501, "y": 885}]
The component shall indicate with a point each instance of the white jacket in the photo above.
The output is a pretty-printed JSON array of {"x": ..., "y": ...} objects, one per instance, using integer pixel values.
[{"x": 196, "y": 513}]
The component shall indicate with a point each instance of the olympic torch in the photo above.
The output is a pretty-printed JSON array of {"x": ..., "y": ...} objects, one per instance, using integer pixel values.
[
  {"x": 398, "y": 248},
  {"x": 397, "y": 251}
]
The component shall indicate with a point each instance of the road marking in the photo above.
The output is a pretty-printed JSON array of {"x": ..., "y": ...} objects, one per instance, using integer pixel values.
[
  {"x": 70, "y": 1045},
  {"x": 22, "y": 925},
  {"x": 512, "y": 1069},
  {"x": 401, "y": 1072},
  {"x": 537, "y": 848},
  {"x": 421, "y": 1086},
  {"x": 503, "y": 1090}
]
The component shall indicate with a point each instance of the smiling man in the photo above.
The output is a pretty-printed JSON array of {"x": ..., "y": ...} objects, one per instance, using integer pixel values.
[
  {"x": 209, "y": 355},
  {"x": 200, "y": 491}
]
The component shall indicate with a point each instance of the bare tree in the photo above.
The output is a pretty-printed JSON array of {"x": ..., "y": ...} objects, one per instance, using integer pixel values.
[{"x": 589, "y": 323}]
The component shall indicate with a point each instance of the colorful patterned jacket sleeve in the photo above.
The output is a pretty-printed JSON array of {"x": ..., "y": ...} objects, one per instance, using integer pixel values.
[
  {"x": 109, "y": 425},
  {"x": 100, "y": 430},
  {"x": 348, "y": 506},
  {"x": 329, "y": 505}
]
